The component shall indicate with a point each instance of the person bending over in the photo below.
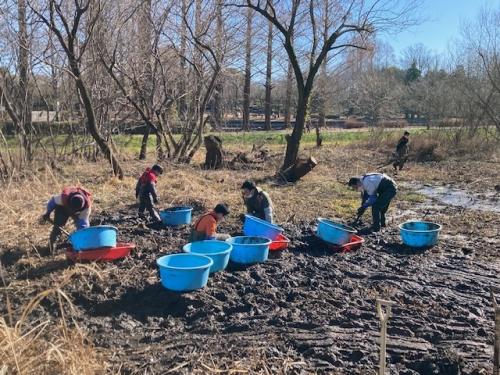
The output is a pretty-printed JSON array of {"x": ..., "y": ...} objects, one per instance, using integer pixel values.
[
  {"x": 377, "y": 190},
  {"x": 73, "y": 202}
]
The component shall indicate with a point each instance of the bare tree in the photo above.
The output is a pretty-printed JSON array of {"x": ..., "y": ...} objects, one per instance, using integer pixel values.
[
  {"x": 248, "y": 70},
  {"x": 74, "y": 42},
  {"x": 288, "y": 93},
  {"x": 269, "y": 69},
  {"x": 15, "y": 92},
  {"x": 349, "y": 19},
  {"x": 145, "y": 51},
  {"x": 218, "y": 101},
  {"x": 478, "y": 56}
]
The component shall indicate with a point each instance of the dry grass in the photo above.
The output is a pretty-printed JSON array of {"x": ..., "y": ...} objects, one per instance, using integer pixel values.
[
  {"x": 31, "y": 346},
  {"x": 34, "y": 346}
]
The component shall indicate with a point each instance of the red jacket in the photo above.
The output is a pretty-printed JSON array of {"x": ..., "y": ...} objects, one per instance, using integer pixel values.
[
  {"x": 148, "y": 177},
  {"x": 146, "y": 186}
]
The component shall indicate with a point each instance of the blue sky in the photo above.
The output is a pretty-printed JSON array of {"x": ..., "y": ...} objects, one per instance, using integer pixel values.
[{"x": 441, "y": 23}]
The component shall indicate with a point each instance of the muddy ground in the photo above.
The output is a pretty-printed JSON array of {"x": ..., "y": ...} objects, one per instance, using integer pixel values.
[{"x": 306, "y": 310}]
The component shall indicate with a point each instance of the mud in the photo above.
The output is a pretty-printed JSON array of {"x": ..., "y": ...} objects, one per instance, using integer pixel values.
[
  {"x": 305, "y": 310},
  {"x": 488, "y": 201}
]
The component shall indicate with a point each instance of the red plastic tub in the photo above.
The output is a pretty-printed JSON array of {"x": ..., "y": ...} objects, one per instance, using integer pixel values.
[
  {"x": 280, "y": 243},
  {"x": 354, "y": 244},
  {"x": 107, "y": 254}
]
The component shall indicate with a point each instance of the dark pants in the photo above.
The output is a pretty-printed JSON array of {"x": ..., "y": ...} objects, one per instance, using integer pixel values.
[
  {"x": 401, "y": 158},
  {"x": 146, "y": 203},
  {"x": 385, "y": 193},
  {"x": 61, "y": 217}
]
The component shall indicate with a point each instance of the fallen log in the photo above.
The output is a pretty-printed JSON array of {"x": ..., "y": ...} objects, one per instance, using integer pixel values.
[
  {"x": 299, "y": 169},
  {"x": 214, "y": 158}
]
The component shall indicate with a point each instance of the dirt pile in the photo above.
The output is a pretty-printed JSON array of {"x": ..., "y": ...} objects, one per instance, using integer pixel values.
[{"x": 306, "y": 309}]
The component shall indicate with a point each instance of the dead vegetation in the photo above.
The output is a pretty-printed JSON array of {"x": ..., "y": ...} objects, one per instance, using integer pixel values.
[
  {"x": 59, "y": 346},
  {"x": 32, "y": 346}
]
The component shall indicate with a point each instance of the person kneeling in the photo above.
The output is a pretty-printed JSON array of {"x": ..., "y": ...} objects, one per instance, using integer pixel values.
[
  {"x": 257, "y": 201},
  {"x": 205, "y": 227}
]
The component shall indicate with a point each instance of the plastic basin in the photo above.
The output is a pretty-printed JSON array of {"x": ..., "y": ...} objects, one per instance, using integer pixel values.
[
  {"x": 256, "y": 227},
  {"x": 93, "y": 237},
  {"x": 184, "y": 272},
  {"x": 354, "y": 244},
  {"x": 280, "y": 243},
  {"x": 248, "y": 250},
  {"x": 106, "y": 254},
  {"x": 419, "y": 233},
  {"x": 176, "y": 215},
  {"x": 335, "y": 233},
  {"x": 218, "y": 251}
]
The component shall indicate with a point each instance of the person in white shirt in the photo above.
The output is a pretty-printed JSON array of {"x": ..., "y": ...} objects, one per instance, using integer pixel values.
[{"x": 377, "y": 190}]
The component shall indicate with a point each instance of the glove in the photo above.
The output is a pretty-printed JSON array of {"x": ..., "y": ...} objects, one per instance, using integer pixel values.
[
  {"x": 44, "y": 218},
  {"x": 361, "y": 211}
]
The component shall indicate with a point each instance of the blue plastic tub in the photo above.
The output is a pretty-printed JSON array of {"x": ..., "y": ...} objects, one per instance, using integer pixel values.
[
  {"x": 335, "y": 233},
  {"x": 184, "y": 272},
  {"x": 93, "y": 237},
  {"x": 218, "y": 251},
  {"x": 247, "y": 250},
  {"x": 419, "y": 233},
  {"x": 176, "y": 216},
  {"x": 260, "y": 228}
]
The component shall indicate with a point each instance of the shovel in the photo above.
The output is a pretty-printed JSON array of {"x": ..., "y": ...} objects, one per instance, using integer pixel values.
[{"x": 58, "y": 227}]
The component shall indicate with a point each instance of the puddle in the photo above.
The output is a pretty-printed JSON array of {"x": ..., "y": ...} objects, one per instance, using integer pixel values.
[{"x": 462, "y": 198}]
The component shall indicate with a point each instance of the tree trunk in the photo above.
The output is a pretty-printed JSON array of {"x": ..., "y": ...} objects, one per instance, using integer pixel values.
[
  {"x": 248, "y": 71},
  {"x": 322, "y": 90},
  {"x": 299, "y": 169},
  {"x": 288, "y": 96},
  {"x": 293, "y": 140},
  {"x": 182, "y": 86},
  {"x": 144, "y": 143},
  {"x": 91, "y": 122},
  {"x": 218, "y": 110},
  {"x": 268, "y": 108},
  {"x": 24, "y": 92},
  {"x": 146, "y": 78},
  {"x": 214, "y": 158},
  {"x": 319, "y": 140}
]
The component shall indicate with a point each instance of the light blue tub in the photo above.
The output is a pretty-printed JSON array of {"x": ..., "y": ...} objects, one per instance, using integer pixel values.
[
  {"x": 93, "y": 237},
  {"x": 218, "y": 251},
  {"x": 256, "y": 227},
  {"x": 419, "y": 233},
  {"x": 335, "y": 233},
  {"x": 176, "y": 216},
  {"x": 248, "y": 250},
  {"x": 184, "y": 272}
]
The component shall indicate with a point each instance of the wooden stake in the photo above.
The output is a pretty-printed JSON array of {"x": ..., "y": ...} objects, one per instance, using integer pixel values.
[
  {"x": 384, "y": 318},
  {"x": 496, "y": 348}
]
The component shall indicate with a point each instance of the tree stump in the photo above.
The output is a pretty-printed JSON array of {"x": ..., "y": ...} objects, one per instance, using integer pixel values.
[
  {"x": 299, "y": 169},
  {"x": 214, "y": 158}
]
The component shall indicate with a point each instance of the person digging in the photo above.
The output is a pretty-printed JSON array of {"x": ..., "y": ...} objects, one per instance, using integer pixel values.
[
  {"x": 73, "y": 202},
  {"x": 205, "y": 228},
  {"x": 377, "y": 190},
  {"x": 145, "y": 192},
  {"x": 257, "y": 202},
  {"x": 401, "y": 154}
]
